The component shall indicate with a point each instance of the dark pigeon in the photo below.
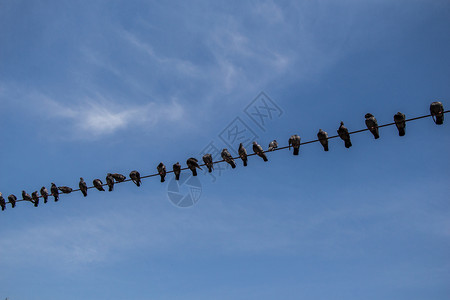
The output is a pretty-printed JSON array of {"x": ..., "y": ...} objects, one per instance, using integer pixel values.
[
  {"x": 399, "y": 120},
  {"x": 207, "y": 159},
  {"x": 135, "y": 177},
  {"x": 273, "y": 145},
  {"x": 294, "y": 141},
  {"x": 243, "y": 154},
  {"x": 98, "y": 184},
  {"x": 372, "y": 124},
  {"x": 35, "y": 197},
  {"x": 12, "y": 199},
  {"x": 110, "y": 182},
  {"x": 192, "y": 163},
  {"x": 26, "y": 196},
  {"x": 44, "y": 193},
  {"x": 2, "y": 202},
  {"x": 162, "y": 171},
  {"x": 177, "y": 170},
  {"x": 323, "y": 139},
  {"x": 226, "y": 156},
  {"x": 83, "y": 186},
  {"x": 344, "y": 135},
  {"x": 118, "y": 177},
  {"x": 65, "y": 189},
  {"x": 259, "y": 151},
  {"x": 54, "y": 191},
  {"x": 437, "y": 112}
]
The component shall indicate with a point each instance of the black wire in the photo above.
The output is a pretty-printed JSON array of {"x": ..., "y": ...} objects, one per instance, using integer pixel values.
[{"x": 252, "y": 154}]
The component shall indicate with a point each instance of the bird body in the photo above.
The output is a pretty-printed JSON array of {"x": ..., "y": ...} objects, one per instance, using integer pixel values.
[
  {"x": 2, "y": 202},
  {"x": 294, "y": 141},
  {"x": 98, "y": 184},
  {"x": 177, "y": 170},
  {"x": 83, "y": 187},
  {"x": 192, "y": 164},
  {"x": 437, "y": 112},
  {"x": 12, "y": 199},
  {"x": 35, "y": 197},
  {"x": 65, "y": 189},
  {"x": 400, "y": 122},
  {"x": 26, "y": 196},
  {"x": 273, "y": 145},
  {"x": 207, "y": 159},
  {"x": 372, "y": 125},
  {"x": 44, "y": 193},
  {"x": 161, "y": 171},
  {"x": 226, "y": 156},
  {"x": 54, "y": 191},
  {"x": 259, "y": 151},
  {"x": 135, "y": 177},
  {"x": 110, "y": 182},
  {"x": 344, "y": 135},
  {"x": 118, "y": 177},
  {"x": 323, "y": 139},
  {"x": 243, "y": 154}
]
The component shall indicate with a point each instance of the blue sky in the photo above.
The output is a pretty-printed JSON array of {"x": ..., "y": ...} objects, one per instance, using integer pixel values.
[{"x": 113, "y": 86}]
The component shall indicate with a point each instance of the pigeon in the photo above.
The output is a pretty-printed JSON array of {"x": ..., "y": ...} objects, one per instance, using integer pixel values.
[
  {"x": 2, "y": 202},
  {"x": 226, "y": 156},
  {"x": 83, "y": 186},
  {"x": 372, "y": 124},
  {"x": 110, "y": 182},
  {"x": 243, "y": 154},
  {"x": 259, "y": 151},
  {"x": 135, "y": 177},
  {"x": 65, "y": 189},
  {"x": 273, "y": 145},
  {"x": 44, "y": 193},
  {"x": 177, "y": 170},
  {"x": 323, "y": 139},
  {"x": 294, "y": 141},
  {"x": 207, "y": 159},
  {"x": 437, "y": 112},
  {"x": 54, "y": 191},
  {"x": 118, "y": 177},
  {"x": 98, "y": 185},
  {"x": 26, "y": 196},
  {"x": 344, "y": 135},
  {"x": 35, "y": 197},
  {"x": 12, "y": 199},
  {"x": 399, "y": 120},
  {"x": 192, "y": 164},
  {"x": 161, "y": 171}
]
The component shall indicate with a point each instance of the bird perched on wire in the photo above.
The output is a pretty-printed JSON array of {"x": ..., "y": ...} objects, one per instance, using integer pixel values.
[
  {"x": 65, "y": 189},
  {"x": 177, "y": 170},
  {"x": 226, "y": 156},
  {"x": 83, "y": 186},
  {"x": 110, "y": 182},
  {"x": 207, "y": 159},
  {"x": 54, "y": 191},
  {"x": 12, "y": 199},
  {"x": 323, "y": 139},
  {"x": 2, "y": 202},
  {"x": 243, "y": 154},
  {"x": 259, "y": 151},
  {"x": 135, "y": 177},
  {"x": 44, "y": 193},
  {"x": 437, "y": 112},
  {"x": 98, "y": 184},
  {"x": 35, "y": 197},
  {"x": 26, "y": 196},
  {"x": 400, "y": 122},
  {"x": 273, "y": 145},
  {"x": 372, "y": 124},
  {"x": 344, "y": 135},
  {"x": 161, "y": 171},
  {"x": 118, "y": 177},
  {"x": 294, "y": 141},
  {"x": 192, "y": 164}
]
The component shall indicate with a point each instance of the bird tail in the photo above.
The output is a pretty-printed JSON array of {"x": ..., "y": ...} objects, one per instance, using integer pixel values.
[
  {"x": 177, "y": 176},
  {"x": 36, "y": 203},
  {"x": 138, "y": 182},
  {"x": 348, "y": 143},
  {"x": 401, "y": 131},
  {"x": 296, "y": 150},
  {"x": 209, "y": 169},
  {"x": 13, "y": 205},
  {"x": 84, "y": 193},
  {"x": 162, "y": 178},
  {"x": 3, "y": 207},
  {"x": 440, "y": 120},
  {"x": 264, "y": 157},
  {"x": 111, "y": 188},
  {"x": 325, "y": 147},
  {"x": 245, "y": 162},
  {"x": 233, "y": 165},
  {"x": 56, "y": 197},
  {"x": 194, "y": 172}
]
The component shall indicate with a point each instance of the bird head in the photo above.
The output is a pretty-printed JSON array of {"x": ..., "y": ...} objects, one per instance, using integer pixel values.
[{"x": 368, "y": 115}]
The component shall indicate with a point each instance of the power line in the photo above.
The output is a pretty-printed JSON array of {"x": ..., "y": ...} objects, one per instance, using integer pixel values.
[{"x": 252, "y": 154}]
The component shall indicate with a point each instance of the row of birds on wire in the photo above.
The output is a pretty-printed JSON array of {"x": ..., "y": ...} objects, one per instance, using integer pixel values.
[{"x": 436, "y": 110}]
